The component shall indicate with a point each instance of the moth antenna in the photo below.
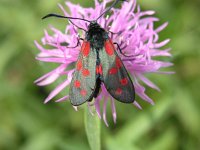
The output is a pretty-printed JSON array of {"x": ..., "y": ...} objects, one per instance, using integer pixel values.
[
  {"x": 108, "y": 9},
  {"x": 60, "y": 16}
]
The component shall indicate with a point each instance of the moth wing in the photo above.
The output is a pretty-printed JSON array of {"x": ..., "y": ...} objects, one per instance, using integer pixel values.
[
  {"x": 84, "y": 78},
  {"x": 116, "y": 78}
]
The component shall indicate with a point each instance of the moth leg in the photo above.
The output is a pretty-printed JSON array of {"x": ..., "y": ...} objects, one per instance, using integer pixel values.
[
  {"x": 112, "y": 33},
  {"x": 115, "y": 32},
  {"x": 81, "y": 39},
  {"x": 120, "y": 50},
  {"x": 78, "y": 43}
]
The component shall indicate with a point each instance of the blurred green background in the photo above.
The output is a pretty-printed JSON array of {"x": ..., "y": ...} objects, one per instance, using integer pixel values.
[{"x": 27, "y": 124}]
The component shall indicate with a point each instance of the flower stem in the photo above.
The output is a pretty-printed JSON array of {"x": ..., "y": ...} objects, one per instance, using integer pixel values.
[{"x": 92, "y": 127}]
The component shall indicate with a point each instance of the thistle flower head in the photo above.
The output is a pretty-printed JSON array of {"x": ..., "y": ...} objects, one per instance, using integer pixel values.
[{"x": 132, "y": 28}]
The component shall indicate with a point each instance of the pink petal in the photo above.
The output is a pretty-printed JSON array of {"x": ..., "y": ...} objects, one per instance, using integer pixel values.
[
  {"x": 165, "y": 72},
  {"x": 53, "y": 60},
  {"x": 63, "y": 98},
  {"x": 44, "y": 80},
  {"x": 104, "y": 111},
  {"x": 59, "y": 88},
  {"x": 43, "y": 77},
  {"x": 137, "y": 105},
  {"x": 155, "y": 52},
  {"x": 140, "y": 90},
  {"x": 160, "y": 28},
  {"x": 48, "y": 80},
  {"x": 97, "y": 105},
  {"x": 161, "y": 44},
  {"x": 148, "y": 82},
  {"x": 114, "y": 114}
]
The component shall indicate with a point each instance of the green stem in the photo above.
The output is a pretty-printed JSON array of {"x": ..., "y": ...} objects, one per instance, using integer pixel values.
[{"x": 92, "y": 127}]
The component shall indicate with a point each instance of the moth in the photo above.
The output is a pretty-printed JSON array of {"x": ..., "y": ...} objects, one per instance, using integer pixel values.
[{"x": 98, "y": 62}]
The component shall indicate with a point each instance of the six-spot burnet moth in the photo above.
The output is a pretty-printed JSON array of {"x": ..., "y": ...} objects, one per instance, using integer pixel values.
[{"x": 98, "y": 63}]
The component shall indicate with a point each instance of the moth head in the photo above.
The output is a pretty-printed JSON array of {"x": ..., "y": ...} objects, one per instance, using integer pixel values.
[{"x": 93, "y": 24}]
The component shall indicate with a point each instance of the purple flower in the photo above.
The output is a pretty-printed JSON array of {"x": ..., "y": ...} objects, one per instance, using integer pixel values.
[{"x": 136, "y": 34}]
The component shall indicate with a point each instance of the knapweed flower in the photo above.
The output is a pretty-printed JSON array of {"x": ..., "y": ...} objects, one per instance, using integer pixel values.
[{"x": 132, "y": 29}]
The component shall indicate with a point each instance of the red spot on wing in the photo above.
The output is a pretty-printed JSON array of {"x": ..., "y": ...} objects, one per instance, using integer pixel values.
[
  {"x": 124, "y": 81},
  {"x": 113, "y": 71},
  {"x": 109, "y": 47},
  {"x": 99, "y": 70},
  {"x": 118, "y": 62},
  {"x": 79, "y": 65},
  {"x": 77, "y": 84},
  {"x": 118, "y": 91},
  {"x": 85, "y": 48},
  {"x": 85, "y": 72},
  {"x": 83, "y": 92}
]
